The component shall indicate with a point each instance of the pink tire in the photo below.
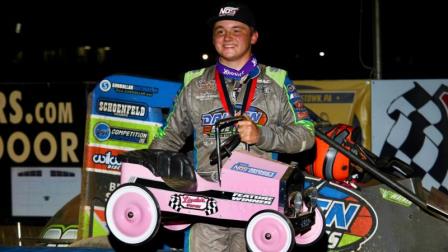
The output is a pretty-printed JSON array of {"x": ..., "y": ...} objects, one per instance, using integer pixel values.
[
  {"x": 269, "y": 231},
  {"x": 132, "y": 214},
  {"x": 316, "y": 232}
]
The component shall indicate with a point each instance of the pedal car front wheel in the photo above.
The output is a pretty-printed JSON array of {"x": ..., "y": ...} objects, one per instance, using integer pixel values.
[
  {"x": 132, "y": 214},
  {"x": 315, "y": 233},
  {"x": 269, "y": 231}
]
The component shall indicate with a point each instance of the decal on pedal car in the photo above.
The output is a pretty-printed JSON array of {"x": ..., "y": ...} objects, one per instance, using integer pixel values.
[
  {"x": 243, "y": 167},
  {"x": 252, "y": 198},
  {"x": 206, "y": 204}
]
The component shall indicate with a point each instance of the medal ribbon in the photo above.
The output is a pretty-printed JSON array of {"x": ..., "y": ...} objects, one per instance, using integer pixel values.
[{"x": 225, "y": 98}]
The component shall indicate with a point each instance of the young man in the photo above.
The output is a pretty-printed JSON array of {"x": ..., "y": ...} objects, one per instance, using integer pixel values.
[{"x": 237, "y": 84}]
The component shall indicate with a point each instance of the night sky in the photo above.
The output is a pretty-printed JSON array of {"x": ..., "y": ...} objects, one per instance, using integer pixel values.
[{"x": 166, "y": 38}]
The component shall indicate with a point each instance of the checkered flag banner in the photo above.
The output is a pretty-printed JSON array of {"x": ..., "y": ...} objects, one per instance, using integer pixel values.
[
  {"x": 175, "y": 202},
  {"x": 419, "y": 135},
  {"x": 210, "y": 205}
]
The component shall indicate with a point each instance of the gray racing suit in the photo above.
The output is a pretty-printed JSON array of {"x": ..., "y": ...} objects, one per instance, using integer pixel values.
[
  {"x": 276, "y": 108},
  {"x": 198, "y": 106}
]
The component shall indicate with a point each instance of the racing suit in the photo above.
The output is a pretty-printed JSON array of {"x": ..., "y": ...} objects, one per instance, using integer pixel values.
[{"x": 276, "y": 108}]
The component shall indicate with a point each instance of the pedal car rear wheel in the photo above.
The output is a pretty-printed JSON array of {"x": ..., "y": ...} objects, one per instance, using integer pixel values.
[
  {"x": 132, "y": 214},
  {"x": 176, "y": 227},
  {"x": 316, "y": 232},
  {"x": 269, "y": 231}
]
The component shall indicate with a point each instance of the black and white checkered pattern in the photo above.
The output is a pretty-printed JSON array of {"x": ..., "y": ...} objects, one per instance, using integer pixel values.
[
  {"x": 175, "y": 202},
  {"x": 212, "y": 207},
  {"x": 419, "y": 136}
]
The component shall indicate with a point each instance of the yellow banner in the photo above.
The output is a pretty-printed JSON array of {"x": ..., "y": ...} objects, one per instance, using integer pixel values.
[{"x": 340, "y": 101}]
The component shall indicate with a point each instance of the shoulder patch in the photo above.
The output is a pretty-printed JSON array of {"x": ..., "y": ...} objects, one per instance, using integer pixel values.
[
  {"x": 277, "y": 74},
  {"x": 189, "y": 76}
]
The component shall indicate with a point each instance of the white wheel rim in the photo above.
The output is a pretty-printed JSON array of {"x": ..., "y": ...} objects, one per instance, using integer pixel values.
[
  {"x": 111, "y": 222},
  {"x": 250, "y": 229}
]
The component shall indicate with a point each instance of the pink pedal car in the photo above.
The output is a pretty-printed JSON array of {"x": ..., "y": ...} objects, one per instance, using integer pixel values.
[{"x": 264, "y": 196}]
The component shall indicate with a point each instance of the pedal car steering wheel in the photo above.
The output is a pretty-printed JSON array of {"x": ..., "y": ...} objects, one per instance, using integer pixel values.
[
  {"x": 226, "y": 148},
  {"x": 230, "y": 143}
]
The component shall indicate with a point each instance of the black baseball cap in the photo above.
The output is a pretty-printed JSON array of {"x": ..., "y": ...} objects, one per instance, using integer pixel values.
[{"x": 233, "y": 11}]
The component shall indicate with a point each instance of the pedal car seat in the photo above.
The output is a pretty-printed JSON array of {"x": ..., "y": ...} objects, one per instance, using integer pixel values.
[{"x": 174, "y": 167}]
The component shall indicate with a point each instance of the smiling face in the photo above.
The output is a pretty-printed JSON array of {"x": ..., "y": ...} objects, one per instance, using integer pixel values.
[{"x": 233, "y": 41}]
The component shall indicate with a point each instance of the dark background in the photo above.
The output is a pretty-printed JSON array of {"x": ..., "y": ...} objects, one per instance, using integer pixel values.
[{"x": 162, "y": 39}]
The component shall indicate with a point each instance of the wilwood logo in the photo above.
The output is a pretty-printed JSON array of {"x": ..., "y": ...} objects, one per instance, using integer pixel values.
[
  {"x": 107, "y": 159},
  {"x": 350, "y": 220}
]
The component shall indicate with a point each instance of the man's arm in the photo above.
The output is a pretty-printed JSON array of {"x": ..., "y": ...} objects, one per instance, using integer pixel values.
[
  {"x": 295, "y": 133},
  {"x": 178, "y": 126}
]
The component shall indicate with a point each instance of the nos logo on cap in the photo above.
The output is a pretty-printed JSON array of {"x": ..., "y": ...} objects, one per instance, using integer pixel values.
[{"x": 228, "y": 11}]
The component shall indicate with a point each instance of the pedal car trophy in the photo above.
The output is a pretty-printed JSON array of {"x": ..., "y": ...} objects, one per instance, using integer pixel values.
[{"x": 161, "y": 188}]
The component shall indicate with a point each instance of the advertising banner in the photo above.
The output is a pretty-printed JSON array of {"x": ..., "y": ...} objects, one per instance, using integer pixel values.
[
  {"x": 41, "y": 135},
  {"x": 125, "y": 113},
  {"x": 350, "y": 220},
  {"x": 410, "y": 122},
  {"x": 339, "y": 101}
]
